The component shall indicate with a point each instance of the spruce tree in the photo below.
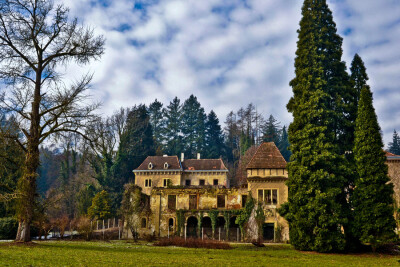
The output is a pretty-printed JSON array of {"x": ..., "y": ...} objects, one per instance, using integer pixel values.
[
  {"x": 135, "y": 145},
  {"x": 372, "y": 198},
  {"x": 156, "y": 121},
  {"x": 316, "y": 209},
  {"x": 193, "y": 126},
  {"x": 284, "y": 144},
  {"x": 272, "y": 130},
  {"x": 214, "y": 137},
  {"x": 172, "y": 130},
  {"x": 394, "y": 146}
]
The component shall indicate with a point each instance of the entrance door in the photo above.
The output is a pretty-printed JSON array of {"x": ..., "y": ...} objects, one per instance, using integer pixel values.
[{"x": 268, "y": 231}]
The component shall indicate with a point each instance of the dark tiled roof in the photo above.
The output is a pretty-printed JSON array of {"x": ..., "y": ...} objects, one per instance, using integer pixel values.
[
  {"x": 267, "y": 156},
  {"x": 203, "y": 164},
  {"x": 158, "y": 163}
]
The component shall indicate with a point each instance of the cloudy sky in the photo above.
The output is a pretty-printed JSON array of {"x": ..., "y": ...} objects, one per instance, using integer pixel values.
[{"x": 230, "y": 52}]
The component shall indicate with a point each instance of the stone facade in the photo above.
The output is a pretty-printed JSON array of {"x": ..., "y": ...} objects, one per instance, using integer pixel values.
[{"x": 187, "y": 195}]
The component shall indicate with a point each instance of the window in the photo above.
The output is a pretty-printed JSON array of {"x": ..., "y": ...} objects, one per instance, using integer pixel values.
[
  {"x": 192, "y": 202},
  {"x": 166, "y": 182},
  {"x": 244, "y": 199},
  {"x": 187, "y": 182},
  {"x": 150, "y": 166},
  {"x": 147, "y": 183},
  {"x": 268, "y": 196},
  {"x": 220, "y": 201},
  {"x": 172, "y": 202},
  {"x": 166, "y": 165},
  {"x": 215, "y": 182},
  {"x": 202, "y": 182},
  {"x": 144, "y": 223}
]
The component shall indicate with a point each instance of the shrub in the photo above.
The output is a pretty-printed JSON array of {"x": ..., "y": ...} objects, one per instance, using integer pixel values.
[
  {"x": 8, "y": 228},
  {"x": 84, "y": 227},
  {"x": 192, "y": 243}
]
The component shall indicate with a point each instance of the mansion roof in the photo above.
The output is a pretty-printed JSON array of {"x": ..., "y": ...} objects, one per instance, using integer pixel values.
[
  {"x": 172, "y": 163},
  {"x": 267, "y": 156}
]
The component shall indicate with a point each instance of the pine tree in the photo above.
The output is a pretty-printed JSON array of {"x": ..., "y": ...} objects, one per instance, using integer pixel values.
[
  {"x": 172, "y": 130},
  {"x": 394, "y": 146},
  {"x": 136, "y": 144},
  {"x": 272, "y": 130},
  {"x": 284, "y": 144},
  {"x": 156, "y": 121},
  {"x": 316, "y": 209},
  {"x": 214, "y": 137},
  {"x": 373, "y": 195},
  {"x": 193, "y": 126}
]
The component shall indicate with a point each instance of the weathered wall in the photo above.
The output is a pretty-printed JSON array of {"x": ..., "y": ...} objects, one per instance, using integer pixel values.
[
  {"x": 209, "y": 177},
  {"x": 157, "y": 179},
  {"x": 271, "y": 215},
  {"x": 266, "y": 173},
  {"x": 394, "y": 175}
]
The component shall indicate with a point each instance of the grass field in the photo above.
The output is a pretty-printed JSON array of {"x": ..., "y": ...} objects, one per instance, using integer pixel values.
[{"x": 122, "y": 253}]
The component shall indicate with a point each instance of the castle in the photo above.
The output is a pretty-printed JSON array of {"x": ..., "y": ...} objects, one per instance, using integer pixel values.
[{"x": 192, "y": 197}]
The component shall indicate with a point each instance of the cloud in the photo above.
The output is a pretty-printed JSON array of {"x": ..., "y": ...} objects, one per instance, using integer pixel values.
[{"x": 230, "y": 53}]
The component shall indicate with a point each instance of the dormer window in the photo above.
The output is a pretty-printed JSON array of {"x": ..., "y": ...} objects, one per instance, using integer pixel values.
[
  {"x": 150, "y": 166},
  {"x": 166, "y": 165}
]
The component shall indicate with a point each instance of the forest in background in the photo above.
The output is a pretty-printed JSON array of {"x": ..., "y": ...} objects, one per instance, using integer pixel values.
[{"x": 73, "y": 169}]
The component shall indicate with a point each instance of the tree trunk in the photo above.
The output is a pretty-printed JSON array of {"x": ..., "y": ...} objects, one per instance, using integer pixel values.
[{"x": 27, "y": 183}]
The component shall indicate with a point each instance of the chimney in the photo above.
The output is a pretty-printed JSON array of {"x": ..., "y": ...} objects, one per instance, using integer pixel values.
[
  {"x": 198, "y": 155},
  {"x": 182, "y": 157},
  {"x": 165, "y": 155}
]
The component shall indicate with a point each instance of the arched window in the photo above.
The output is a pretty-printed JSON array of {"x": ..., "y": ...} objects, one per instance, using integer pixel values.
[
  {"x": 144, "y": 223},
  {"x": 150, "y": 166},
  {"x": 166, "y": 165}
]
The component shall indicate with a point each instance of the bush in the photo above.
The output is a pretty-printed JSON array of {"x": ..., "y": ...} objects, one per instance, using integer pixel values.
[
  {"x": 84, "y": 227},
  {"x": 8, "y": 228},
  {"x": 192, "y": 243}
]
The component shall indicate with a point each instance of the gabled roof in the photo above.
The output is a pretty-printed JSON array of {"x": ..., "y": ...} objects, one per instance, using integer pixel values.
[
  {"x": 158, "y": 163},
  {"x": 267, "y": 156},
  {"x": 203, "y": 165}
]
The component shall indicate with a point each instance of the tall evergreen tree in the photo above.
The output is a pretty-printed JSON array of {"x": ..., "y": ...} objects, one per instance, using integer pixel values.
[
  {"x": 394, "y": 146},
  {"x": 284, "y": 144},
  {"x": 193, "y": 126},
  {"x": 135, "y": 145},
  {"x": 172, "y": 130},
  {"x": 156, "y": 121},
  {"x": 272, "y": 130},
  {"x": 373, "y": 195},
  {"x": 214, "y": 137},
  {"x": 316, "y": 209}
]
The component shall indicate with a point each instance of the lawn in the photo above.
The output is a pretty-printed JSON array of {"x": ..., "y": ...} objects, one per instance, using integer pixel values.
[{"x": 122, "y": 253}]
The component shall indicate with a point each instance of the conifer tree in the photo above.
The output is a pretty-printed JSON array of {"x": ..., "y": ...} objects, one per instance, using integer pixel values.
[
  {"x": 136, "y": 144},
  {"x": 172, "y": 130},
  {"x": 394, "y": 146},
  {"x": 214, "y": 137},
  {"x": 272, "y": 130},
  {"x": 284, "y": 144},
  {"x": 316, "y": 209},
  {"x": 372, "y": 198},
  {"x": 193, "y": 126},
  {"x": 156, "y": 121}
]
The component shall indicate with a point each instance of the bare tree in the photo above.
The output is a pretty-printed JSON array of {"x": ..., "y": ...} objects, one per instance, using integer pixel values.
[{"x": 36, "y": 38}]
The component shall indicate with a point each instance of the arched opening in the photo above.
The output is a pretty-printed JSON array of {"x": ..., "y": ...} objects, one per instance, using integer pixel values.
[
  {"x": 220, "y": 222},
  {"x": 206, "y": 222},
  {"x": 171, "y": 224},
  {"x": 234, "y": 230},
  {"x": 191, "y": 226}
]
